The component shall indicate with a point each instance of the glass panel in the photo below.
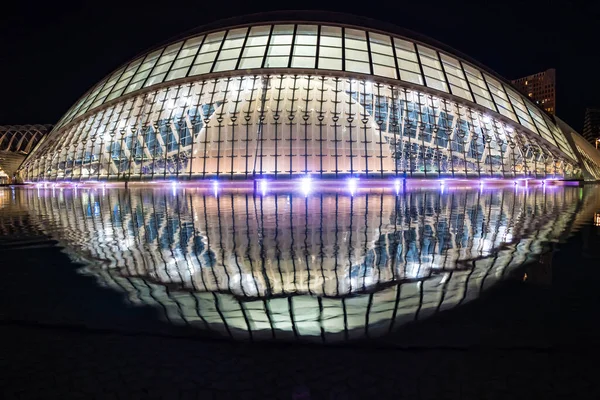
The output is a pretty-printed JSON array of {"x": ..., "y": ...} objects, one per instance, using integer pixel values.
[
  {"x": 456, "y": 77},
  {"x": 226, "y": 65},
  {"x": 248, "y": 63},
  {"x": 279, "y": 50},
  {"x": 303, "y": 62},
  {"x": 305, "y": 50},
  {"x": 229, "y": 54},
  {"x": 519, "y": 106},
  {"x": 357, "y": 55},
  {"x": 380, "y": 70},
  {"x": 478, "y": 87},
  {"x": 107, "y": 88},
  {"x": 277, "y": 62},
  {"x": 306, "y": 34},
  {"x": 356, "y": 66},
  {"x": 207, "y": 54},
  {"x": 279, "y": 46},
  {"x": 500, "y": 97},
  {"x": 235, "y": 38},
  {"x": 330, "y": 63},
  {"x": 330, "y": 50},
  {"x": 540, "y": 123},
  {"x": 305, "y": 47},
  {"x": 407, "y": 61},
  {"x": 255, "y": 47},
  {"x": 432, "y": 68},
  {"x": 254, "y": 51}
]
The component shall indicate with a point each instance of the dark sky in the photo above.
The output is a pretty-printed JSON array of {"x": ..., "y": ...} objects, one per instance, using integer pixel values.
[{"x": 50, "y": 54}]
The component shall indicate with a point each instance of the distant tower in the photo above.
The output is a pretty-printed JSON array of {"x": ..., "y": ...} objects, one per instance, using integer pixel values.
[
  {"x": 540, "y": 88},
  {"x": 591, "y": 125}
]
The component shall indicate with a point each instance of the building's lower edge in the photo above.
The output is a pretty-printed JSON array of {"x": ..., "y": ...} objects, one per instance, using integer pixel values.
[{"x": 303, "y": 184}]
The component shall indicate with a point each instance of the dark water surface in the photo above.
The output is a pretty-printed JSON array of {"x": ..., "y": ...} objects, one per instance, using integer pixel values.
[{"x": 323, "y": 267}]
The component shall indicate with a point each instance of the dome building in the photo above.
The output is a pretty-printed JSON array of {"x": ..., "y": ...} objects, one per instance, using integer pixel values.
[{"x": 298, "y": 96}]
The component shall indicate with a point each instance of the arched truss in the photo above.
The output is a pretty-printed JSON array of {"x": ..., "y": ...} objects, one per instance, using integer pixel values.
[
  {"x": 16, "y": 142},
  {"x": 21, "y": 138}
]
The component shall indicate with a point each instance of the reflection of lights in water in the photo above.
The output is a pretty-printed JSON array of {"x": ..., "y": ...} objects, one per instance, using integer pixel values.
[
  {"x": 442, "y": 184},
  {"x": 412, "y": 269},
  {"x": 245, "y": 285},
  {"x": 445, "y": 277},
  {"x": 486, "y": 246},
  {"x": 216, "y": 188},
  {"x": 397, "y": 186},
  {"x": 126, "y": 243}
]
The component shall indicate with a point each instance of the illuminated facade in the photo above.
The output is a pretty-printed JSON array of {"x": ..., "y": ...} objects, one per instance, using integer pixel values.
[
  {"x": 587, "y": 154},
  {"x": 16, "y": 142},
  {"x": 292, "y": 98}
]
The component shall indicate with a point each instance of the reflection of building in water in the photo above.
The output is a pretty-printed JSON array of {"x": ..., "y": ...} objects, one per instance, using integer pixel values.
[{"x": 247, "y": 265}]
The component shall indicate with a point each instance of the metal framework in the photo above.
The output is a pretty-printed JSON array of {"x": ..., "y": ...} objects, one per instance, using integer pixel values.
[
  {"x": 290, "y": 99},
  {"x": 16, "y": 142},
  {"x": 324, "y": 267}
]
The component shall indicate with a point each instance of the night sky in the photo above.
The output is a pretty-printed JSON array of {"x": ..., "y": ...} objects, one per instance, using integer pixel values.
[{"x": 52, "y": 53}]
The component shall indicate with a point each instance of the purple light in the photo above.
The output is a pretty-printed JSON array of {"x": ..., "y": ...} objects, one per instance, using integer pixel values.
[
  {"x": 263, "y": 186},
  {"x": 306, "y": 186},
  {"x": 397, "y": 186},
  {"x": 216, "y": 188},
  {"x": 352, "y": 185}
]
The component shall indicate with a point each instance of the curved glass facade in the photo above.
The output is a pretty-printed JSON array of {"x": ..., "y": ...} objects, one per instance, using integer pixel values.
[{"x": 297, "y": 99}]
